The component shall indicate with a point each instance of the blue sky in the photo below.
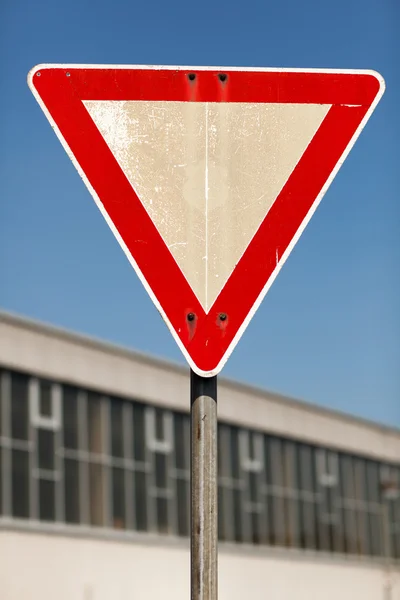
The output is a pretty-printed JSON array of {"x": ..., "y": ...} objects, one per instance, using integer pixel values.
[{"x": 329, "y": 329}]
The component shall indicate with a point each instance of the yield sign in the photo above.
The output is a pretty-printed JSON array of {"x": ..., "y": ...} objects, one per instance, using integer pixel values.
[{"x": 207, "y": 177}]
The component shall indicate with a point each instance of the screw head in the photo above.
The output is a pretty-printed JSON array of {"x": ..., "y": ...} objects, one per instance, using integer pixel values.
[
  {"x": 222, "y": 316},
  {"x": 191, "y": 316}
]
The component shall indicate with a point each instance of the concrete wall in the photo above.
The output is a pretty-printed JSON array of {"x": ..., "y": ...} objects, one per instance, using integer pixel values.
[{"x": 37, "y": 566}]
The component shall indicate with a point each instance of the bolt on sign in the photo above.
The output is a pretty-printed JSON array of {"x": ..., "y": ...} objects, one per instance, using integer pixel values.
[{"x": 206, "y": 176}]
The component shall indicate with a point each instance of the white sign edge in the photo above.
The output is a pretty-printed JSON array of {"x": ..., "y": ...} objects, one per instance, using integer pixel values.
[{"x": 295, "y": 238}]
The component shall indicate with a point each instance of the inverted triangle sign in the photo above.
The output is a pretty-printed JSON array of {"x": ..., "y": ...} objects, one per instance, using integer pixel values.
[{"x": 207, "y": 177}]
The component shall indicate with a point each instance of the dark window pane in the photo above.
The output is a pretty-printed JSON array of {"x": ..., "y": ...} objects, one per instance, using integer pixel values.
[
  {"x": 162, "y": 515},
  {"x": 181, "y": 452},
  {"x": 161, "y": 470},
  {"x": 159, "y": 415},
  {"x": 347, "y": 477},
  {"x": 20, "y": 483},
  {"x": 307, "y": 524},
  {"x": 117, "y": 432},
  {"x": 45, "y": 449},
  {"x": 235, "y": 452},
  {"x": 19, "y": 406},
  {"x": 70, "y": 417},
  {"x": 138, "y": 432},
  {"x": 372, "y": 482},
  {"x": 256, "y": 528},
  {"x": 95, "y": 424},
  {"x": 292, "y": 520},
  {"x": 96, "y": 491},
  {"x": 306, "y": 469},
  {"x": 253, "y": 480},
  {"x": 393, "y": 524},
  {"x": 350, "y": 531},
  {"x": 1, "y": 481},
  {"x": 237, "y": 514},
  {"x": 1, "y": 400},
  {"x": 183, "y": 507},
  {"x": 252, "y": 445},
  {"x": 71, "y": 490},
  {"x": 375, "y": 533},
  {"x": 396, "y": 524},
  {"x": 348, "y": 492},
  {"x": 118, "y": 495},
  {"x": 46, "y": 500},
  {"x": 45, "y": 405},
  {"x": 224, "y": 451},
  {"x": 221, "y": 528},
  {"x": 360, "y": 481},
  {"x": 140, "y": 501}
]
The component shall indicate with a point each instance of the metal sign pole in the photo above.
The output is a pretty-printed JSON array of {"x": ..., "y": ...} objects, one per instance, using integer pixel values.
[{"x": 204, "y": 498}]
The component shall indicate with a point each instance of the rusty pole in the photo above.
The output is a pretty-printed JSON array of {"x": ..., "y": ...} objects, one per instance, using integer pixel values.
[{"x": 203, "y": 484}]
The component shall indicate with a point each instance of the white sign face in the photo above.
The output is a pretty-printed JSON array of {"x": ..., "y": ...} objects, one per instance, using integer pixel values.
[{"x": 207, "y": 172}]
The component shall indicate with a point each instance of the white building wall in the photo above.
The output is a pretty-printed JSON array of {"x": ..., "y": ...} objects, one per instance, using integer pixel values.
[
  {"x": 60, "y": 355},
  {"x": 50, "y": 567}
]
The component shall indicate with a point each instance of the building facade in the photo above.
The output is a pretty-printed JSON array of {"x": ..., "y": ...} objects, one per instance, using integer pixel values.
[{"x": 94, "y": 482}]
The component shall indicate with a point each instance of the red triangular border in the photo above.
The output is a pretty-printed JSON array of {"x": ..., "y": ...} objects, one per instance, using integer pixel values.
[{"x": 206, "y": 341}]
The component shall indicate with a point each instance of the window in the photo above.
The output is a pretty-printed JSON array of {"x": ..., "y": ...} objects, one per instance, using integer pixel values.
[
  {"x": 20, "y": 483},
  {"x": 96, "y": 443},
  {"x": 119, "y": 476},
  {"x": 140, "y": 474},
  {"x": 159, "y": 441},
  {"x": 78, "y": 457},
  {"x": 72, "y": 458},
  {"x": 360, "y": 510},
  {"x": 19, "y": 452},
  {"x": 328, "y": 512},
  {"x": 228, "y": 470},
  {"x": 46, "y": 403},
  {"x": 1, "y": 481},
  {"x": 347, "y": 481},
  {"x": 19, "y": 406},
  {"x": 71, "y": 491},
  {"x": 70, "y": 417},
  {"x": 275, "y": 473},
  {"x": 254, "y": 505},
  {"x": 374, "y": 513},
  {"x": 308, "y": 497},
  {"x": 182, "y": 470}
]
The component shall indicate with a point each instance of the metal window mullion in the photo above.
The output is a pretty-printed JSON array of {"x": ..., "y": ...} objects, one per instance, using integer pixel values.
[
  {"x": 33, "y": 395},
  {"x": 83, "y": 460},
  {"x": 128, "y": 473},
  {"x": 6, "y": 450}
]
